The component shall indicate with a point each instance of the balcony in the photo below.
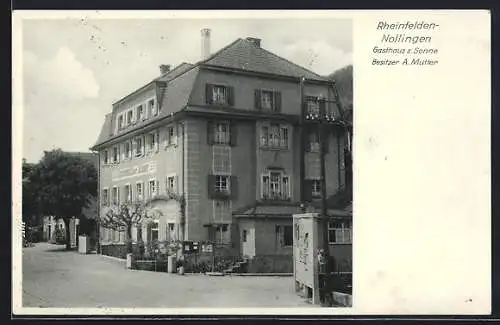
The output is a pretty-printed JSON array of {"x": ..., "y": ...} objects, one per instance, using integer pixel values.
[{"x": 276, "y": 197}]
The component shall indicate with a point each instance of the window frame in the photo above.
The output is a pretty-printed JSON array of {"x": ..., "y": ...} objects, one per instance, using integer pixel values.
[
  {"x": 221, "y": 137},
  {"x": 141, "y": 147},
  {"x": 316, "y": 183},
  {"x": 285, "y": 192},
  {"x": 225, "y": 94},
  {"x": 128, "y": 193},
  {"x": 345, "y": 228},
  {"x": 105, "y": 194},
  {"x": 272, "y": 136},
  {"x": 154, "y": 193},
  {"x": 140, "y": 196},
  {"x": 220, "y": 188}
]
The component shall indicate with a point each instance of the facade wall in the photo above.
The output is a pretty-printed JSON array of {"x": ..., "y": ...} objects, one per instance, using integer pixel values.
[
  {"x": 266, "y": 237},
  {"x": 164, "y": 162}
]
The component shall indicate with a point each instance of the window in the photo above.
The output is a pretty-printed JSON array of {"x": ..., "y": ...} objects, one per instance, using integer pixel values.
[
  {"x": 130, "y": 117},
  {"x": 284, "y": 236},
  {"x": 171, "y": 183},
  {"x": 105, "y": 157},
  {"x": 219, "y": 233},
  {"x": 221, "y": 133},
  {"x": 339, "y": 232},
  {"x": 275, "y": 186},
  {"x": 312, "y": 105},
  {"x": 116, "y": 154},
  {"x": 127, "y": 150},
  {"x": 138, "y": 147},
  {"x": 267, "y": 100},
  {"x": 152, "y": 142},
  {"x": 140, "y": 113},
  {"x": 171, "y": 136},
  {"x": 152, "y": 107},
  {"x": 222, "y": 184},
  {"x": 120, "y": 121},
  {"x": 139, "y": 191},
  {"x": 219, "y": 95},
  {"x": 128, "y": 193},
  {"x": 154, "y": 230},
  {"x": 244, "y": 236},
  {"x": 105, "y": 196},
  {"x": 316, "y": 188},
  {"x": 115, "y": 198},
  {"x": 170, "y": 235},
  {"x": 313, "y": 141},
  {"x": 274, "y": 136},
  {"x": 153, "y": 188},
  {"x": 221, "y": 163}
]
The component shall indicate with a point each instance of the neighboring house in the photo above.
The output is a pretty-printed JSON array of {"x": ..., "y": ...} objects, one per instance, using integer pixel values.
[
  {"x": 225, "y": 133},
  {"x": 51, "y": 225}
]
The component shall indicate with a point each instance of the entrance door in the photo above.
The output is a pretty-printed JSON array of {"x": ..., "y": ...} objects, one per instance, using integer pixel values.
[{"x": 248, "y": 242}]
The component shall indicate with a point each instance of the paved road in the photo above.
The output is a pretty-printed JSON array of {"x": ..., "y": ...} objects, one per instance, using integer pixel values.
[{"x": 53, "y": 277}]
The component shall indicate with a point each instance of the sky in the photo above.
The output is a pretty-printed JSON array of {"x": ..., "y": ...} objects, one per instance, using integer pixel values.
[{"x": 74, "y": 69}]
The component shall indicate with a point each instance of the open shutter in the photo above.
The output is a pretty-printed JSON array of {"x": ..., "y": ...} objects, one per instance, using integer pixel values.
[
  {"x": 230, "y": 96},
  {"x": 157, "y": 187},
  {"x": 257, "y": 99},
  {"x": 123, "y": 151},
  {"x": 143, "y": 145},
  {"x": 233, "y": 133},
  {"x": 174, "y": 140},
  {"x": 234, "y": 187},
  {"x": 209, "y": 90},
  {"x": 277, "y": 101},
  {"x": 211, "y": 186},
  {"x": 210, "y": 132}
]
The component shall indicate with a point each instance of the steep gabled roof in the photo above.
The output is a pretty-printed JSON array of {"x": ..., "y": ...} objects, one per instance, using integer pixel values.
[
  {"x": 242, "y": 54},
  {"x": 246, "y": 55}
]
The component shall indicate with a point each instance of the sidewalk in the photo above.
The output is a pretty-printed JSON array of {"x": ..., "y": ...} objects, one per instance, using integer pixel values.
[{"x": 53, "y": 277}]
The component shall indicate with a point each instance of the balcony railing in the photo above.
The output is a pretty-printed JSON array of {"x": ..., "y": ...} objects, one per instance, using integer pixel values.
[{"x": 276, "y": 197}]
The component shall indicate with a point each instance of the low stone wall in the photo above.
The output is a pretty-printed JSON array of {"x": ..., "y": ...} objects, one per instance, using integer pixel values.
[
  {"x": 114, "y": 250},
  {"x": 271, "y": 264}
]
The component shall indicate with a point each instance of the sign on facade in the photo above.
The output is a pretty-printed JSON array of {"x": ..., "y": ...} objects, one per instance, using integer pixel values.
[{"x": 134, "y": 171}]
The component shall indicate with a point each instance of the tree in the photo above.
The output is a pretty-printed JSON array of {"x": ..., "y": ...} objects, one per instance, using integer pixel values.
[
  {"x": 29, "y": 203},
  {"x": 123, "y": 218},
  {"x": 64, "y": 185}
]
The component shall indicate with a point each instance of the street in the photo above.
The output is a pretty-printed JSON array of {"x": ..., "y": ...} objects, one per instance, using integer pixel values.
[{"x": 53, "y": 277}]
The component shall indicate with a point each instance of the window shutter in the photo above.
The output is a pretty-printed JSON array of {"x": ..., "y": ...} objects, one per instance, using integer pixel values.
[
  {"x": 174, "y": 140},
  {"x": 134, "y": 147},
  {"x": 233, "y": 133},
  {"x": 307, "y": 190},
  {"x": 210, "y": 132},
  {"x": 277, "y": 101},
  {"x": 176, "y": 184},
  {"x": 230, "y": 96},
  {"x": 123, "y": 151},
  {"x": 157, "y": 187},
  {"x": 234, "y": 187},
  {"x": 165, "y": 137},
  {"x": 258, "y": 99},
  {"x": 211, "y": 186},
  {"x": 143, "y": 145},
  {"x": 209, "y": 90}
]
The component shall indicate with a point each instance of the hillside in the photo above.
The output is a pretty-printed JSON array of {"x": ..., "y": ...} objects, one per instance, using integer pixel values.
[{"x": 343, "y": 80}]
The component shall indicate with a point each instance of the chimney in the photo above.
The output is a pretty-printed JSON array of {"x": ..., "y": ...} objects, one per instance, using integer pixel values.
[
  {"x": 255, "y": 41},
  {"x": 205, "y": 43},
  {"x": 164, "y": 69}
]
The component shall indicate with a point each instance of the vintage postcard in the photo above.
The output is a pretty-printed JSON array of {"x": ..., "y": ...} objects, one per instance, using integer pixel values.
[{"x": 251, "y": 162}]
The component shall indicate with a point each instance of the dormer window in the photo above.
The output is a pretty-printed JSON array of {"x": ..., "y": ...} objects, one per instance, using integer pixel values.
[
  {"x": 140, "y": 113},
  {"x": 130, "y": 117},
  {"x": 120, "y": 121},
  {"x": 153, "y": 109},
  {"x": 219, "y": 95}
]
